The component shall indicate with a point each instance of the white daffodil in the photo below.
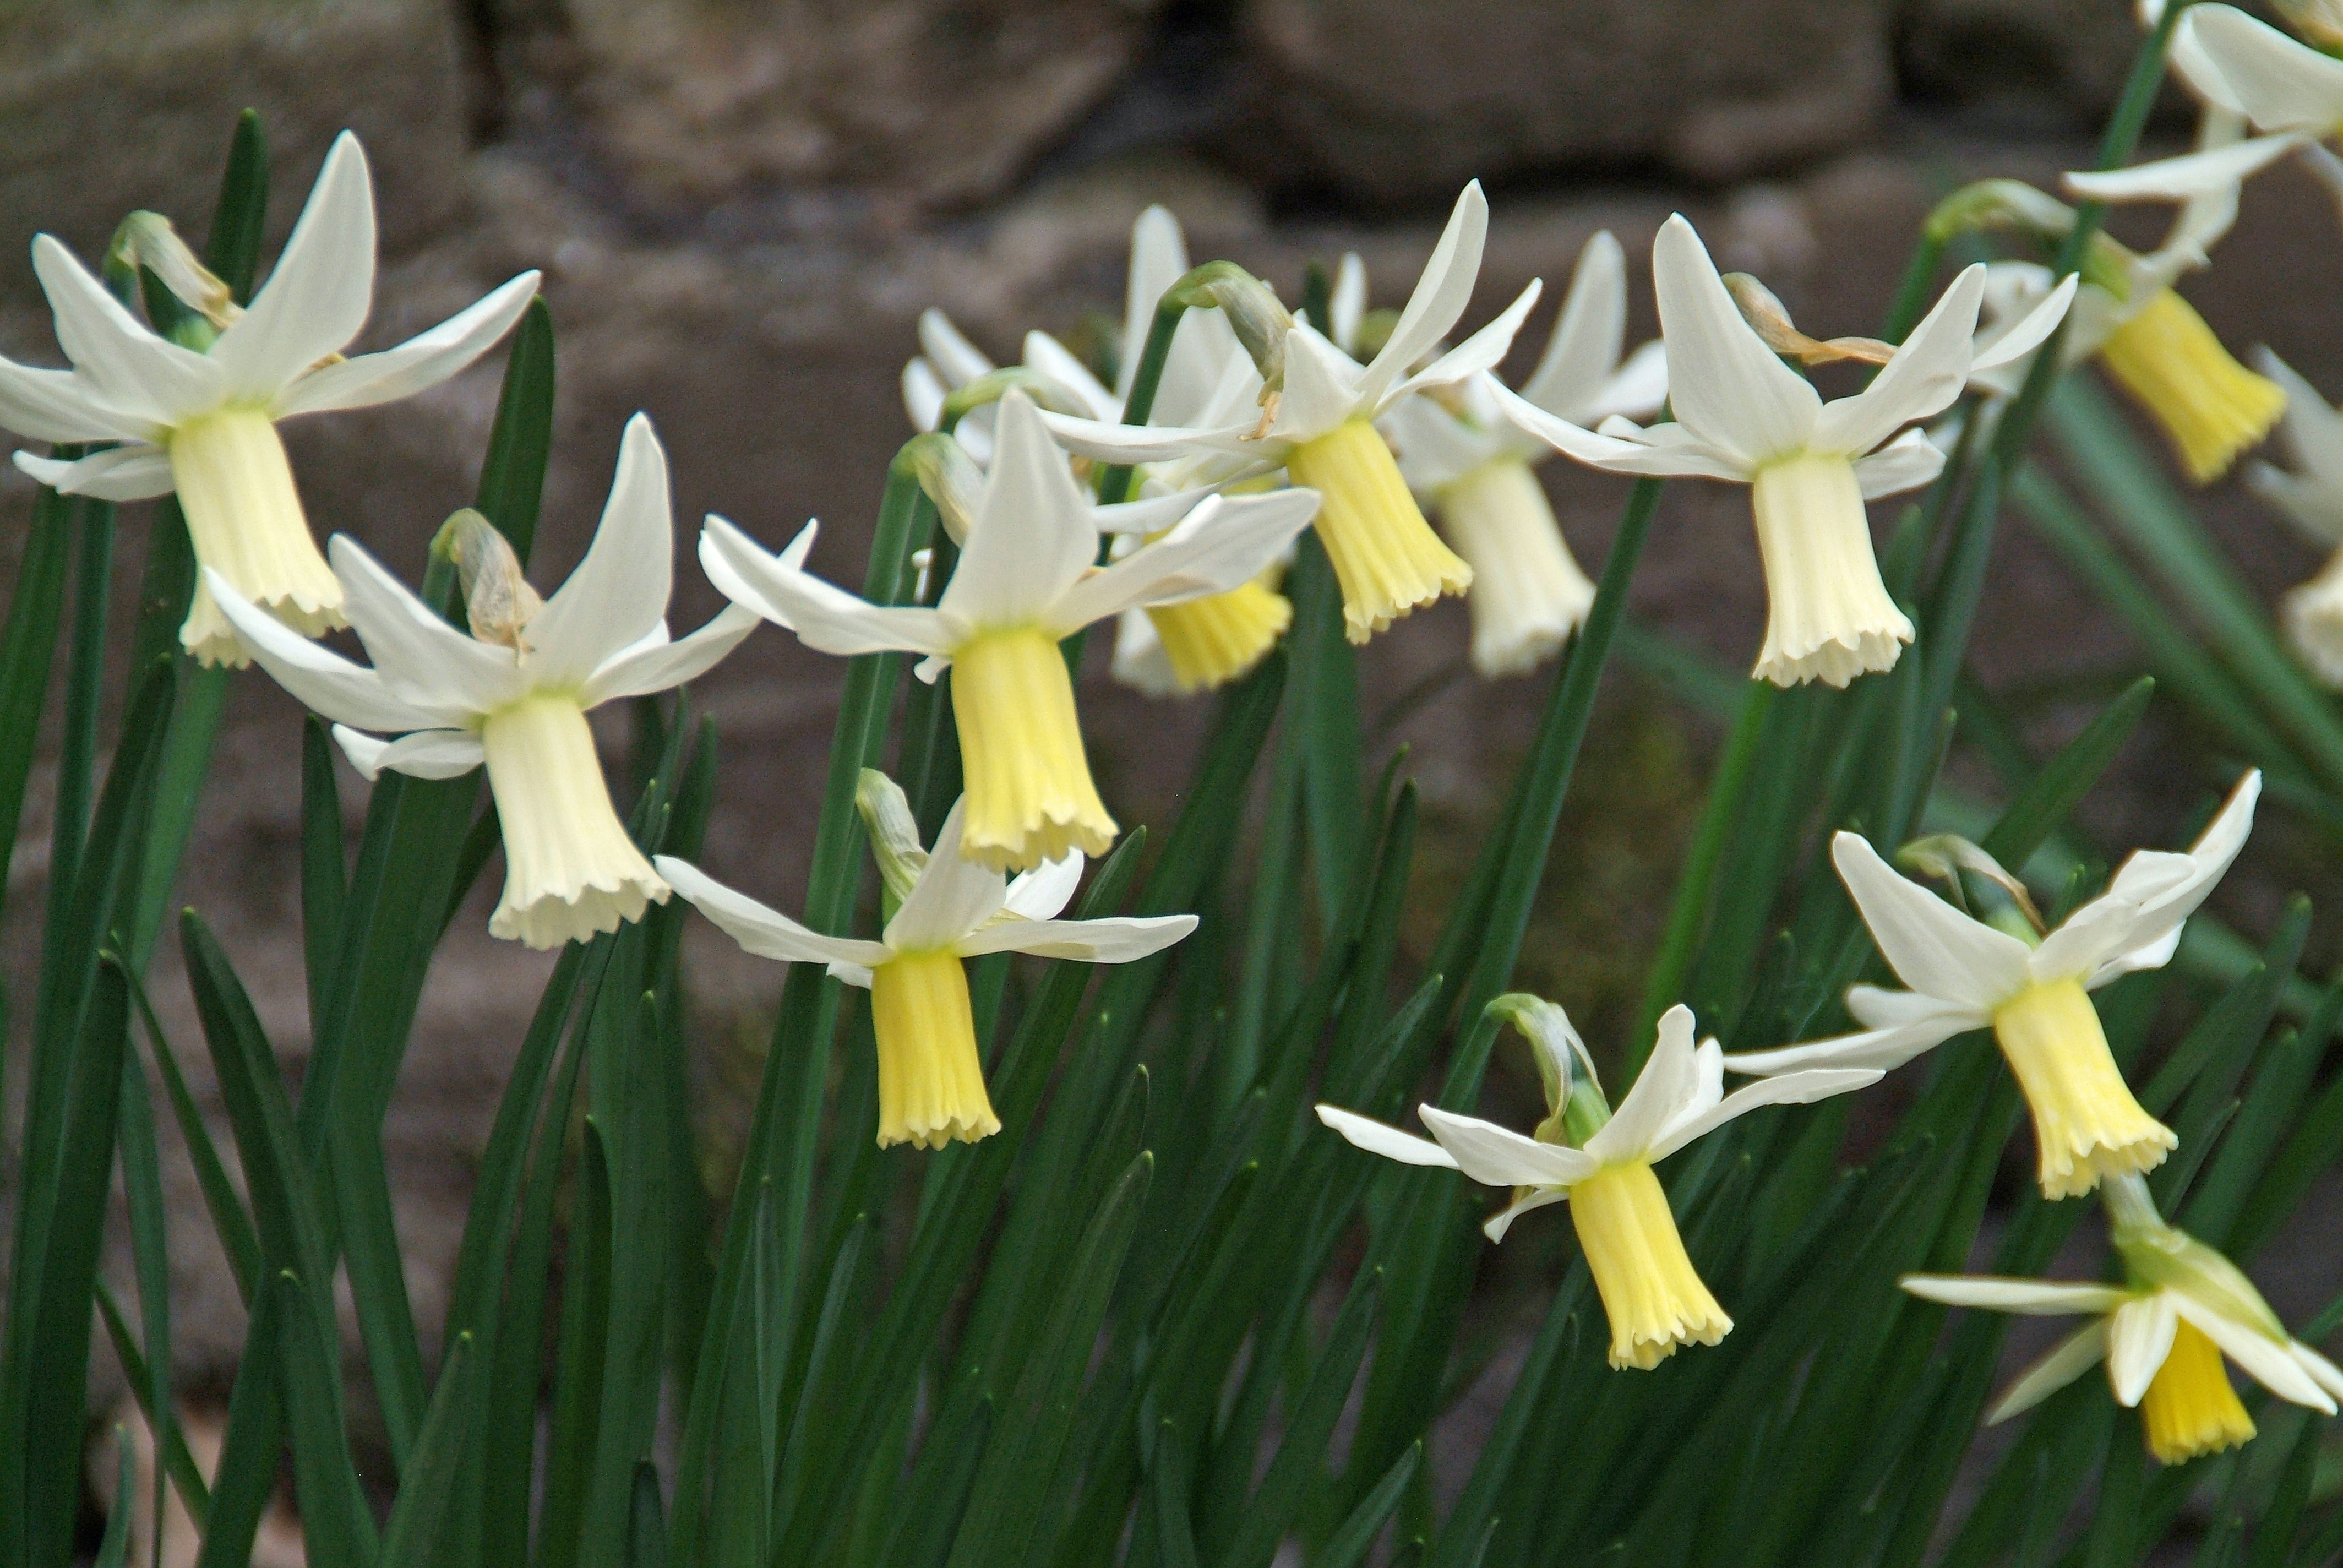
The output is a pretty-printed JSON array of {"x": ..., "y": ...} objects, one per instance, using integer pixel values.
[
  {"x": 1469, "y": 464},
  {"x": 1025, "y": 579},
  {"x": 946, "y": 908},
  {"x": 514, "y": 694},
  {"x": 1743, "y": 415},
  {"x": 2162, "y": 1332},
  {"x": 2311, "y": 496},
  {"x": 2032, "y": 989},
  {"x": 202, "y": 420},
  {"x": 1601, "y": 1162},
  {"x": 1319, "y": 427}
]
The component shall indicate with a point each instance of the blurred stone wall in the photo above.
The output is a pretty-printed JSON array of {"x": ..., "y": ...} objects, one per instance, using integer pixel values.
[{"x": 741, "y": 206}]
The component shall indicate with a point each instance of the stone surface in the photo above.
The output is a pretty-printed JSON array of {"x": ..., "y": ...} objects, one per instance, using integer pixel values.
[
  {"x": 2057, "y": 62},
  {"x": 1393, "y": 100}
]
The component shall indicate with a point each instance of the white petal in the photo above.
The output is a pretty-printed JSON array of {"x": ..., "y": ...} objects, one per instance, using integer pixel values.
[
  {"x": 2068, "y": 1360},
  {"x": 1881, "y": 1047},
  {"x": 2312, "y": 430},
  {"x": 1906, "y": 463},
  {"x": 1498, "y": 1157},
  {"x": 425, "y": 754},
  {"x": 1032, "y": 537},
  {"x": 364, "y": 751},
  {"x": 424, "y": 360},
  {"x": 2113, "y": 922},
  {"x": 1043, "y": 893},
  {"x": 59, "y": 406},
  {"x": 1498, "y": 1223},
  {"x": 1638, "y": 389},
  {"x": 1691, "y": 458},
  {"x": 2189, "y": 175},
  {"x": 121, "y": 362},
  {"x": 117, "y": 473},
  {"x": 1322, "y": 388},
  {"x": 1115, "y": 940},
  {"x": 1224, "y": 543},
  {"x": 956, "y": 360},
  {"x": 1923, "y": 378},
  {"x": 1388, "y": 1142},
  {"x": 1054, "y": 362},
  {"x": 619, "y": 591},
  {"x": 2323, "y": 1372},
  {"x": 1479, "y": 353},
  {"x": 1435, "y": 447},
  {"x": 317, "y": 296},
  {"x": 2139, "y": 1336},
  {"x": 954, "y": 896},
  {"x": 1346, "y": 306},
  {"x": 1669, "y": 1081},
  {"x": 319, "y": 678},
  {"x": 1587, "y": 335},
  {"x": 2030, "y": 331},
  {"x": 2275, "y": 81},
  {"x": 1724, "y": 383},
  {"x": 923, "y": 395},
  {"x": 656, "y": 666},
  {"x": 1141, "y": 660},
  {"x": 766, "y": 932},
  {"x": 1110, "y": 443},
  {"x": 1159, "y": 258},
  {"x": 421, "y": 657},
  {"x": 1933, "y": 948},
  {"x": 825, "y": 617},
  {"x": 2161, "y": 899},
  {"x": 2152, "y": 955},
  {"x": 2028, "y": 1298},
  {"x": 1148, "y": 513},
  {"x": 1440, "y": 293},
  {"x": 2269, "y": 1363},
  {"x": 1787, "y": 1088}
]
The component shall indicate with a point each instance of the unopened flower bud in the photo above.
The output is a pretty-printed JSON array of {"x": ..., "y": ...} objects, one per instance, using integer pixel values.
[
  {"x": 499, "y": 601},
  {"x": 950, "y": 476},
  {"x": 894, "y": 835},
  {"x": 1260, "y": 322},
  {"x": 147, "y": 242}
]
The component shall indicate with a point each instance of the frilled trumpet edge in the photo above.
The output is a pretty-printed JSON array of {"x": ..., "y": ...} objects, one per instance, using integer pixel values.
[
  {"x": 1654, "y": 1299},
  {"x": 2211, "y": 406},
  {"x": 1528, "y": 593},
  {"x": 1386, "y": 558},
  {"x": 1029, "y": 795},
  {"x": 931, "y": 1082},
  {"x": 2190, "y": 1408},
  {"x": 1828, "y": 617},
  {"x": 570, "y": 870},
  {"x": 1209, "y": 642},
  {"x": 2313, "y": 617},
  {"x": 244, "y": 520},
  {"x": 2087, "y": 1125}
]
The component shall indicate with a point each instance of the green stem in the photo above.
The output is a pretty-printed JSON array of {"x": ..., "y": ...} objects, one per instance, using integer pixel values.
[
  {"x": 1912, "y": 294},
  {"x": 1114, "y": 484}
]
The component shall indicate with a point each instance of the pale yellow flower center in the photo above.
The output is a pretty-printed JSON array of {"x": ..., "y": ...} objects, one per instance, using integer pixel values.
[
  {"x": 1528, "y": 593},
  {"x": 1029, "y": 795},
  {"x": 931, "y": 1082},
  {"x": 244, "y": 519},
  {"x": 2209, "y": 405},
  {"x": 2087, "y": 1125},
  {"x": 1210, "y": 642},
  {"x": 1653, "y": 1296},
  {"x": 2190, "y": 1408},
  {"x": 570, "y": 869},
  {"x": 1386, "y": 556},
  {"x": 1827, "y": 616}
]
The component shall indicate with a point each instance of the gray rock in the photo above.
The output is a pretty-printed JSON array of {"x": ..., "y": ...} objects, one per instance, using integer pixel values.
[
  {"x": 1393, "y": 100},
  {"x": 2049, "y": 61}
]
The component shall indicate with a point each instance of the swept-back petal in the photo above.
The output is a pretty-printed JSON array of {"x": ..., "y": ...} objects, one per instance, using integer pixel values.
[
  {"x": 766, "y": 932},
  {"x": 2269, "y": 1363},
  {"x": 1587, "y": 335},
  {"x": 952, "y": 897},
  {"x": 123, "y": 364},
  {"x": 1440, "y": 294},
  {"x": 425, "y": 754},
  {"x": 1225, "y": 542},
  {"x": 923, "y": 394},
  {"x": 1668, "y": 1083},
  {"x": 1923, "y": 378},
  {"x": 619, "y": 591},
  {"x": 1495, "y": 1226},
  {"x": 1043, "y": 893},
  {"x": 655, "y": 665},
  {"x": 1114, "y": 940},
  {"x": 59, "y": 406},
  {"x": 824, "y": 617},
  {"x": 1906, "y": 463},
  {"x": 956, "y": 360},
  {"x": 1322, "y": 388},
  {"x": 421, "y": 659},
  {"x": 1637, "y": 389},
  {"x": 1481, "y": 352},
  {"x": 1932, "y": 947},
  {"x": 1692, "y": 456},
  {"x": 2068, "y": 1360},
  {"x": 1499, "y": 1157},
  {"x": 1111, "y": 443},
  {"x": 116, "y": 474},
  {"x": 1390, "y": 1142},
  {"x": 2188, "y": 176},
  {"x": 1724, "y": 383},
  {"x": 317, "y": 296},
  {"x": 2030, "y": 331},
  {"x": 2028, "y": 1298},
  {"x": 1054, "y": 362},
  {"x": 2276, "y": 83},
  {"x": 1785, "y": 1089},
  {"x": 426, "y": 359},
  {"x": 1346, "y": 304},
  {"x": 1148, "y": 513},
  {"x": 1907, "y": 1024},
  {"x": 2161, "y": 891},
  {"x": 2139, "y": 1336},
  {"x": 1159, "y": 258},
  {"x": 1032, "y": 537},
  {"x": 319, "y": 678},
  {"x": 1437, "y": 448}
]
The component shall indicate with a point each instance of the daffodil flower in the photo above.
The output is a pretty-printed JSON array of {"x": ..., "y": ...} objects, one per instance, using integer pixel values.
[
  {"x": 2162, "y": 1332},
  {"x": 1025, "y": 580},
  {"x": 2031, "y": 989},
  {"x": 1601, "y": 1163},
  {"x": 947, "y": 910},
  {"x": 1743, "y": 415},
  {"x": 1319, "y": 427},
  {"x": 514, "y": 694},
  {"x": 203, "y": 422},
  {"x": 2311, "y": 496},
  {"x": 1469, "y": 464}
]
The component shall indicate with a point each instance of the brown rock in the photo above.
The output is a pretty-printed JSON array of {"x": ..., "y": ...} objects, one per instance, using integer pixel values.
[{"x": 2052, "y": 60}]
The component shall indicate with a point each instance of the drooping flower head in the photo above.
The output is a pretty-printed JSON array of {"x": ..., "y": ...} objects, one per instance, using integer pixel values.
[
  {"x": 1743, "y": 415},
  {"x": 2311, "y": 496},
  {"x": 513, "y": 692},
  {"x": 2162, "y": 1332},
  {"x": 1025, "y": 580},
  {"x": 1601, "y": 1163},
  {"x": 1469, "y": 464},
  {"x": 1318, "y": 423},
  {"x": 2030, "y": 987},
  {"x": 942, "y": 909},
  {"x": 200, "y": 418}
]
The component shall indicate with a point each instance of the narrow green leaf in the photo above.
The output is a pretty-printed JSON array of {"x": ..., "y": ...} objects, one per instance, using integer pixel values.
[
  {"x": 1175, "y": 1536},
  {"x": 520, "y": 441},
  {"x": 423, "y": 1514},
  {"x": 645, "y": 1520},
  {"x": 325, "y": 873},
  {"x": 1349, "y": 1545},
  {"x": 577, "y": 1380},
  {"x": 232, "y": 251},
  {"x": 113, "y": 1551},
  {"x": 27, "y": 649},
  {"x": 335, "y": 1521},
  {"x": 231, "y": 1222},
  {"x": 178, "y": 1463},
  {"x": 2062, "y": 782},
  {"x": 150, "y": 1251},
  {"x": 1277, "y": 1501}
]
